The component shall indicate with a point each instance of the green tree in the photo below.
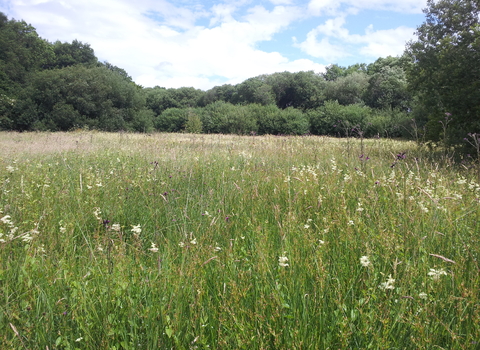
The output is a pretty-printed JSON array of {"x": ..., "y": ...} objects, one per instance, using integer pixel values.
[
  {"x": 254, "y": 90},
  {"x": 302, "y": 90},
  {"x": 388, "y": 88},
  {"x": 194, "y": 123},
  {"x": 347, "y": 90},
  {"x": 158, "y": 99},
  {"x": 69, "y": 54},
  {"x": 22, "y": 52},
  {"x": 60, "y": 99},
  {"x": 445, "y": 69}
]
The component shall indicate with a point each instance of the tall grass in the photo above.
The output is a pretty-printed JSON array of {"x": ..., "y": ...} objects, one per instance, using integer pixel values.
[{"x": 124, "y": 241}]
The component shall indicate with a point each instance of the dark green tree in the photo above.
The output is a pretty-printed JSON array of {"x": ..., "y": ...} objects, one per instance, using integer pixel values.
[
  {"x": 69, "y": 54},
  {"x": 77, "y": 96},
  {"x": 445, "y": 68},
  {"x": 254, "y": 90},
  {"x": 158, "y": 99},
  {"x": 347, "y": 90},
  {"x": 388, "y": 89},
  {"x": 22, "y": 52}
]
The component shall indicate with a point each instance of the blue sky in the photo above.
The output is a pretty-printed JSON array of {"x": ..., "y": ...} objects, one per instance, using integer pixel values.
[{"x": 207, "y": 43}]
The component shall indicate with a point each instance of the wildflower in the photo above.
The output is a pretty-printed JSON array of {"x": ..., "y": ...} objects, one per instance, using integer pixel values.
[
  {"x": 27, "y": 237},
  {"x": 116, "y": 227},
  {"x": 10, "y": 169},
  {"x": 423, "y": 207},
  {"x": 193, "y": 241},
  {"x": 306, "y": 226},
  {"x": 63, "y": 229},
  {"x": 217, "y": 249},
  {"x": 423, "y": 296},
  {"x": 435, "y": 274},
  {"x": 100, "y": 248},
  {"x": 181, "y": 244},
  {"x": 321, "y": 242},
  {"x": 6, "y": 220},
  {"x": 282, "y": 261},
  {"x": 389, "y": 284},
  {"x": 350, "y": 223},
  {"x": 136, "y": 229},
  {"x": 364, "y": 261},
  {"x": 153, "y": 248},
  {"x": 97, "y": 212}
]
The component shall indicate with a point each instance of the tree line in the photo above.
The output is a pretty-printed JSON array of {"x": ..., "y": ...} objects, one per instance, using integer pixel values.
[{"x": 431, "y": 92}]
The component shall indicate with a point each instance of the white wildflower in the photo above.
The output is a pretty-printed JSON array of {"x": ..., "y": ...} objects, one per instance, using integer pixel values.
[
  {"x": 116, "y": 227},
  {"x": 283, "y": 261},
  {"x": 422, "y": 207},
  {"x": 27, "y": 237},
  {"x": 389, "y": 284},
  {"x": 10, "y": 169},
  {"x": 423, "y": 296},
  {"x": 97, "y": 212},
  {"x": 193, "y": 241},
  {"x": 350, "y": 223},
  {"x": 306, "y": 226},
  {"x": 41, "y": 250},
  {"x": 217, "y": 249},
  {"x": 364, "y": 261},
  {"x": 436, "y": 274},
  {"x": 6, "y": 220},
  {"x": 63, "y": 229},
  {"x": 136, "y": 229},
  {"x": 321, "y": 242},
  {"x": 153, "y": 248},
  {"x": 181, "y": 244}
]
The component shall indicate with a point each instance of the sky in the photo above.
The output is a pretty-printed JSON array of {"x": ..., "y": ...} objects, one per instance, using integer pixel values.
[{"x": 206, "y": 43}]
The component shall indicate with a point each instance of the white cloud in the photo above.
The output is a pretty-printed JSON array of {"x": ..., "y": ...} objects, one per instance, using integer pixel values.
[
  {"x": 380, "y": 43},
  {"x": 332, "y": 7}
]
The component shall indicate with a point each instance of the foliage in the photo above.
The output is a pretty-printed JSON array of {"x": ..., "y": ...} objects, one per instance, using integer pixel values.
[
  {"x": 348, "y": 90},
  {"x": 445, "y": 68},
  {"x": 159, "y": 99},
  {"x": 388, "y": 88},
  {"x": 70, "y": 54},
  {"x": 77, "y": 96},
  {"x": 22, "y": 52},
  {"x": 194, "y": 123}
]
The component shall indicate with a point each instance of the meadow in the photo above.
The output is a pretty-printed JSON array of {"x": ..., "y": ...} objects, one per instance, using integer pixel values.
[{"x": 183, "y": 241}]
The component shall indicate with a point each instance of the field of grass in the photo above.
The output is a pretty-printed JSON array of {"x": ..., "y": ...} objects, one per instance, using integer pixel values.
[{"x": 177, "y": 241}]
